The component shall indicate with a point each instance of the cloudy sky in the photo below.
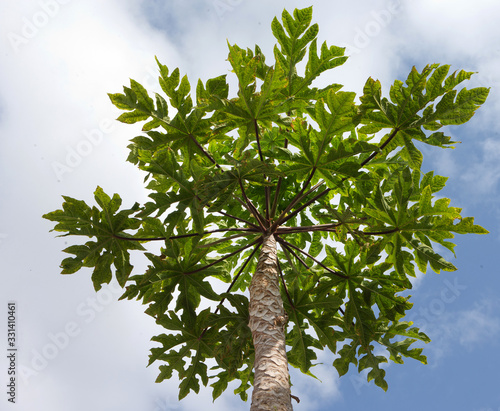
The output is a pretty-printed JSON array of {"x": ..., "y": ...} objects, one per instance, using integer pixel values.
[{"x": 81, "y": 351}]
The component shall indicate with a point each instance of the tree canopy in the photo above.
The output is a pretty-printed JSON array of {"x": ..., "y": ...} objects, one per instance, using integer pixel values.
[{"x": 336, "y": 179}]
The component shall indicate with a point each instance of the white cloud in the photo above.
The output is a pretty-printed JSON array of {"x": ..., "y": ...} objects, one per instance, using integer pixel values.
[
  {"x": 484, "y": 175},
  {"x": 480, "y": 325},
  {"x": 473, "y": 329},
  {"x": 455, "y": 27}
]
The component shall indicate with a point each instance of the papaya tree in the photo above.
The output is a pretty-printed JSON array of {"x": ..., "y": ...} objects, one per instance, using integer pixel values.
[{"x": 288, "y": 218}]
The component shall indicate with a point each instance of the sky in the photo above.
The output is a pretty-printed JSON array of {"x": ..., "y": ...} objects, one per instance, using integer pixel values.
[{"x": 80, "y": 351}]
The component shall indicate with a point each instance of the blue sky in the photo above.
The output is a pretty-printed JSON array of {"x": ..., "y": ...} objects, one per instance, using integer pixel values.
[{"x": 79, "y": 350}]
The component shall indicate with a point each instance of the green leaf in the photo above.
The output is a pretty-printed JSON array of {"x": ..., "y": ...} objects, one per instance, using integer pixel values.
[
  {"x": 427, "y": 254},
  {"x": 454, "y": 111},
  {"x": 465, "y": 226},
  {"x": 133, "y": 117},
  {"x": 347, "y": 355},
  {"x": 145, "y": 102},
  {"x": 77, "y": 218},
  {"x": 376, "y": 373},
  {"x": 300, "y": 355}
]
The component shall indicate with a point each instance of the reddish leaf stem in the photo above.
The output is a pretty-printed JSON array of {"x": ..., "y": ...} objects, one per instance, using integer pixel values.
[
  {"x": 225, "y": 257},
  {"x": 314, "y": 259}
]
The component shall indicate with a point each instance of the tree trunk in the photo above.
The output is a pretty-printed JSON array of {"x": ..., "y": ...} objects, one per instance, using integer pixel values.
[{"x": 271, "y": 382}]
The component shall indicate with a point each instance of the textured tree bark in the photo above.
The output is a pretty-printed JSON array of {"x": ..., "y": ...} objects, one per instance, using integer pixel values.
[{"x": 271, "y": 381}]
